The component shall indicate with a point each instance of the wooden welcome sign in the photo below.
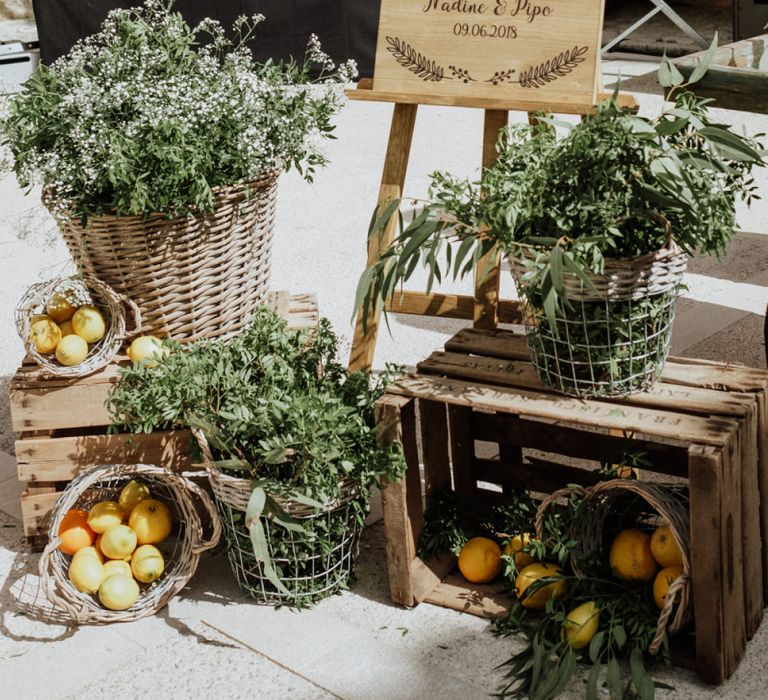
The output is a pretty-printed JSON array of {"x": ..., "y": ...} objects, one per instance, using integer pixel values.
[{"x": 526, "y": 51}]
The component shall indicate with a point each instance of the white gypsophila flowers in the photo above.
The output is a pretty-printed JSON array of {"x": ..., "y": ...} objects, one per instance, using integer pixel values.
[{"x": 138, "y": 118}]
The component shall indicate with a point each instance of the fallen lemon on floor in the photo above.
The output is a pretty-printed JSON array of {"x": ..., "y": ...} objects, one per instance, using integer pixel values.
[
  {"x": 480, "y": 560},
  {"x": 581, "y": 624},
  {"x": 514, "y": 548},
  {"x": 538, "y": 598}
]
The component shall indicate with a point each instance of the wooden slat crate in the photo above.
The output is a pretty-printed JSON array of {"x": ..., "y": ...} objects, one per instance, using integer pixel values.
[
  {"x": 62, "y": 426},
  {"x": 705, "y": 422}
]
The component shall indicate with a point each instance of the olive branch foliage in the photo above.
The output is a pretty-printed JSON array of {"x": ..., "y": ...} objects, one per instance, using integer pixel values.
[
  {"x": 576, "y": 199},
  {"x": 276, "y": 407}
]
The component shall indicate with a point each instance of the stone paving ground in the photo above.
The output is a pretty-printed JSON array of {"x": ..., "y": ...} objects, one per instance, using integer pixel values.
[{"x": 211, "y": 640}]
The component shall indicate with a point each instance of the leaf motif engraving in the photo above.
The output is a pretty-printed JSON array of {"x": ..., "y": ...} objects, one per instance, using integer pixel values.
[
  {"x": 557, "y": 67},
  {"x": 418, "y": 64}
]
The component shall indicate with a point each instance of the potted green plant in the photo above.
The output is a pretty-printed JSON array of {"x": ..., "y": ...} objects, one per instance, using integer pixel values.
[
  {"x": 596, "y": 224},
  {"x": 159, "y": 145},
  {"x": 289, "y": 440}
]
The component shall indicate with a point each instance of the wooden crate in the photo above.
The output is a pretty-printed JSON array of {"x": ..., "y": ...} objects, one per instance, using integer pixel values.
[
  {"x": 62, "y": 427},
  {"x": 705, "y": 422}
]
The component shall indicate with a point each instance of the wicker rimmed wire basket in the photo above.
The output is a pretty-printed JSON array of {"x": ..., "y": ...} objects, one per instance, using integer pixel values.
[
  {"x": 121, "y": 314},
  {"x": 611, "y": 506},
  {"x": 612, "y": 338},
  {"x": 192, "y": 277},
  {"x": 309, "y": 567},
  {"x": 192, "y": 535}
]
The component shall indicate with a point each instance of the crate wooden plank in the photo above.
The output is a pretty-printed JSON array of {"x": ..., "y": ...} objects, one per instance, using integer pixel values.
[
  {"x": 574, "y": 442},
  {"x": 522, "y": 374},
  {"x": 393, "y": 414},
  {"x": 426, "y": 576},
  {"x": 762, "y": 477},
  {"x": 35, "y": 508},
  {"x": 706, "y": 430},
  {"x": 462, "y": 454},
  {"x": 751, "y": 543},
  {"x": 61, "y": 458},
  {"x": 540, "y": 476},
  {"x": 434, "y": 446},
  {"x": 483, "y": 600}
]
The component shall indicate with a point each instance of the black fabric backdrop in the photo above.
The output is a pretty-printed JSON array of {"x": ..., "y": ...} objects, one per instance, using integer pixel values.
[{"x": 347, "y": 28}]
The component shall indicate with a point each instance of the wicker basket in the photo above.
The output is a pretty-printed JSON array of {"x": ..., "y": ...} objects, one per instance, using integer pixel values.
[
  {"x": 181, "y": 550},
  {"x": 122, "y": 316},
  {"x": 309, "y": 569},
  {"x": 611, "y": 506},
  {"x": 614, "y": 337},
  {"x": 192, "y": 277}
]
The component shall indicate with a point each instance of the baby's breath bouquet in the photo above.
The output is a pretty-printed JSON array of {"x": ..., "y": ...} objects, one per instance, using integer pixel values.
[{"x": 150, "y": 114}]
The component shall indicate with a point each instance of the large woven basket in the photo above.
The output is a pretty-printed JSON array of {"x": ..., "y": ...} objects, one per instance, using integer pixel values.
[
  {"x": 121, "y": 314},
  {"x": 308, "y": 569},
  {"x": 192, "y": 277},
  {"x": 191, "y": 536},
  {"x": 613, "y": 337},
  {"x": 611, "y": 506}
]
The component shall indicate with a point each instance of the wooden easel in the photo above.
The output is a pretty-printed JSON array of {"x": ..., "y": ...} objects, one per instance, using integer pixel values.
[{"x": 485, "y": 309}]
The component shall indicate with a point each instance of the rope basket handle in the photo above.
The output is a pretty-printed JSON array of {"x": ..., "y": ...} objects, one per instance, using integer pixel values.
[
  {"x": 132, "y": 316},
  {"x": 205, "y": 448}
]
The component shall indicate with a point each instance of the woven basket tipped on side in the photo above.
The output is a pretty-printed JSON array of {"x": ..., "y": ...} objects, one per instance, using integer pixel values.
[{"x": 656, "y": 504}]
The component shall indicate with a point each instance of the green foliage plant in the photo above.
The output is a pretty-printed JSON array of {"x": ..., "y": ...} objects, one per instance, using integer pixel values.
[
  {"x": 600, "y": 190},
  {"x": 276, "y": 407},
  {"x": 150, "y": 114}
]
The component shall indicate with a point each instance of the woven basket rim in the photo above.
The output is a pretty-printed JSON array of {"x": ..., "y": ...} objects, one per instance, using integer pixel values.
[
  {"x": 677, "y": 609},
  {"x": 220, "y": 192},
  {"x": 83, "y": 609}
]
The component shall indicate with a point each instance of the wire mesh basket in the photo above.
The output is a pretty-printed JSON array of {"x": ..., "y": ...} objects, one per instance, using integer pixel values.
[
  {"x": 312, "y": 564},
  {"x": 191, "y": 536},
  {"x": 121, "y": 315},
  {"x": 608, "y": 340},
  {"x": 611, "y": 506}
]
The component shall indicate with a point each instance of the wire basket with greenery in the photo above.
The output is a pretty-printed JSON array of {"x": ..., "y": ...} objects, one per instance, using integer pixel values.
[
  {"x": 289, "y": 438},
  {"x": 584, "y": 212},
  {"x": 158, "y": 147}
]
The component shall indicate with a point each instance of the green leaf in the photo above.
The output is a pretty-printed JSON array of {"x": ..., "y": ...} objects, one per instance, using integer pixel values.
[
  {"x": 704, "y": 63},
  {"x": 261, "y": 552},
  {"x": 613, "y": 679},
  {"x": 593, "y": 678},
  {"x": 619, "y": 635},
  {"x": 730, "y": 145},
  {"x": 595, "y": 647},
  {"x": 255, "y": 504},
  {"x": 669, "y": 75}
]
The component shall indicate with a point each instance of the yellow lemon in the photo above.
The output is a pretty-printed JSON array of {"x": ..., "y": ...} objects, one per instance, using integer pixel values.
[
  {"x": 147, "y": 351},
  {"x": 514, "y": 548},
  {"x": 71, "y": 350},
  {"x": 538, "y": 598},
  {"x": 86, "y": 571},
  {"x": 105, "y": 515},
  {"x": 45, "y": 335},
  {"x": 151, "y": 521},
  {"x": 89, "y": 324},
  {"x": 631, "y": 558},
  {"x": 663, "y": 581},
  {"x": 118, "y": 542},
  {"x": 664, "y": 548},
  {"x": 480, "y": 560},
  {"x": 147, "y": 564},
  {"x": 119, "y": 592},
  {"x": 581, "y": 625},
  {"x": 133, "y": 492},
  {"x": 66, "y": 329},
  {"x": 116, "y": 566},
  {"x": 59, "y": 308}
]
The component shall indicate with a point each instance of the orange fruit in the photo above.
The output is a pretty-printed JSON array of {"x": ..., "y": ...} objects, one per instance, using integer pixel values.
[
  {"x": 663, "y": 581},
  {"x": 665, "y": 549},
  {"x": 631, "y": 558},
  {"x": 74, "y": 531},
  {"x": 537, "y": 599},
  {"x": 480, "y": 560}
]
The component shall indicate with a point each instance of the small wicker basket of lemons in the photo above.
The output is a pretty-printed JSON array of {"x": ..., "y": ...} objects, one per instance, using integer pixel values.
[{"x": 73, "y": 326}]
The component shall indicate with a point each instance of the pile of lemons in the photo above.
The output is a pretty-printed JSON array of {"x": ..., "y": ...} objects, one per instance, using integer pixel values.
[
  {"x": 643, "y": 557},
  {"x": 113, "y": 545},
  {"x": 67, "y": 330}
]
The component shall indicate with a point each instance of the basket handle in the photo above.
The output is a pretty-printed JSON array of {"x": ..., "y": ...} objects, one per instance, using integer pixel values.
[
  {"x": 655, "y": 216},
  {"x": 132, "y": 315},
  {"x": 205, "y": 499},
  {"x": 549, "y": 500},
  {"x": 666, "y": 612}
]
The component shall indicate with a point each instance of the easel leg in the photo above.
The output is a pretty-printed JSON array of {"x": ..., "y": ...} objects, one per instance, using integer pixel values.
[
  {"x": 392, "y": 181},
  {"x": 487, "y": 272}
]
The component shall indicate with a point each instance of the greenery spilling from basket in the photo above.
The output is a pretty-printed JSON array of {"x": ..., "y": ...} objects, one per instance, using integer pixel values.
[
  {"x": 564, "y": 199},
  {"x": 150, "y": 114},
  {"x": 277, "y": 407},
  {"x": 595, "y": 622}
]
